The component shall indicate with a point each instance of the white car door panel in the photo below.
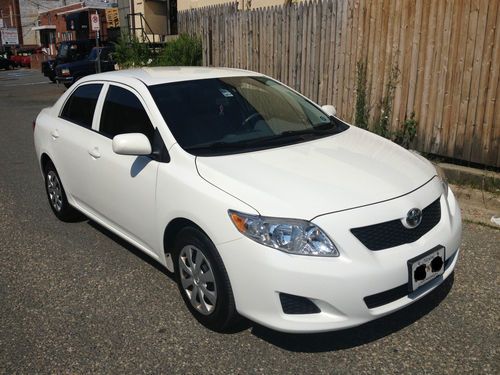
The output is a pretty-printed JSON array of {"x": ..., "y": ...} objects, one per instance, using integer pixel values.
[
  {"x": 124, "y": 186},
  {"x": 71, "y": 138}
]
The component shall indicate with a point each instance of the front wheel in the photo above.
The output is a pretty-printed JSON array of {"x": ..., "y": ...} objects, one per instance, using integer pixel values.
[{"x": 203, "y": 281}]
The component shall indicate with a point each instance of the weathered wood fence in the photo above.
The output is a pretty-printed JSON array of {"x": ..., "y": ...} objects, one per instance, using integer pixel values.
[{"x": 446, "y": 52}]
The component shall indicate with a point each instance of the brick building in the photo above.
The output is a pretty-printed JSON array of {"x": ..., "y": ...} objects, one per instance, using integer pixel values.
[
  {"x": 10, "y": 18},
  {"x": 70, "y": 22},
  {"x": 29, "y": 12}
]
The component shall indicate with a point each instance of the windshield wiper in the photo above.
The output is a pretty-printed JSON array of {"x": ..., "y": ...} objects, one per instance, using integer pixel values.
[
  {"x": 286, "y": 137},
  {"x": 333, "y": 127},
  {"x": 214, "y": 146},
  {"x": 262, "y": 141}
]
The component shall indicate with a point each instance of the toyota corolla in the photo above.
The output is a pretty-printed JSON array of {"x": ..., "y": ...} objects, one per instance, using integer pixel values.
[{"x": 264, "y": 204}]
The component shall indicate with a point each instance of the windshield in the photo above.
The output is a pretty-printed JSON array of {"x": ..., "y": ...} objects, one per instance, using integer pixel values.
[
  {"x": 239, "y": 114},
  {"x": 63, "y": 51},
  {"x": 93, "y": 54}
]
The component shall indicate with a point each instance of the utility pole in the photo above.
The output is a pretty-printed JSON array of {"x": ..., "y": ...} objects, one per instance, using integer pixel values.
[
  {"x": 17, "y": 24},
  {"x": 97, "y": 43},
  {"x": 96, "y": 26}
]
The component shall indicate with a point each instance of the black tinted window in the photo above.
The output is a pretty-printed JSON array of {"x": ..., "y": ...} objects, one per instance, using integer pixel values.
[
  {"x": 81, "y": 105},
  {"x": 124, "y": 113},
  {"x": 236, "y": 114}
]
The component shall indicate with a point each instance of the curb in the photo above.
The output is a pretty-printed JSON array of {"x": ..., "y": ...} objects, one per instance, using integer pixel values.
[{"x": 480, "y": 179}]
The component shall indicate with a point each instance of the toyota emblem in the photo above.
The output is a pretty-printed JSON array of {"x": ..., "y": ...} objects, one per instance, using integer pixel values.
[{"x": 414, "y": 218}]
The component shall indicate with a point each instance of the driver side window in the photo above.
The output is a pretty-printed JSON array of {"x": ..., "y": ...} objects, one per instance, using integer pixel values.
[{"x": 123, "y": 113}]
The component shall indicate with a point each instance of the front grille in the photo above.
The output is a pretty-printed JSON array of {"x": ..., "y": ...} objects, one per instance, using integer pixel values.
[
  {"x": 394, "y": 233},
  {"x": 297, "y": 305}
]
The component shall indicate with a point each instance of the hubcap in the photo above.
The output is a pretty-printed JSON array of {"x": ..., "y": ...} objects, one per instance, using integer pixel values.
[
  {"x": 197, "y": 279},
  {"x": 54, "y": 190}
]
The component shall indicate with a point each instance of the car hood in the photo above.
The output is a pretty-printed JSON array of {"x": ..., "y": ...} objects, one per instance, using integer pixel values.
[{"x": 347, "y": 170}]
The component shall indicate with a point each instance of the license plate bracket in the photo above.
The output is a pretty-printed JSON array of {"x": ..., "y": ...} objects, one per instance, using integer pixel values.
[{"x": 425, "y": 267}]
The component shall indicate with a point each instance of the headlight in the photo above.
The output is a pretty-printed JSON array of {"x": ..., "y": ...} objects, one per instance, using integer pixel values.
[
  {"x": 289, "y": 235},
  {"x": 442, "y": 177},
  {"x": 65, "y": 71}
]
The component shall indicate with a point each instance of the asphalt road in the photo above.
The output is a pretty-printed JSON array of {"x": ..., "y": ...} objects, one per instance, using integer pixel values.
[{"x": 75, "y": 299}]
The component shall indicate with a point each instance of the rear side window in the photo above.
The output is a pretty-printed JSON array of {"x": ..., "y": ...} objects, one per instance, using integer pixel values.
[
  {"x": 123, "y": 113},
  {"x": 81, "y": 105}
]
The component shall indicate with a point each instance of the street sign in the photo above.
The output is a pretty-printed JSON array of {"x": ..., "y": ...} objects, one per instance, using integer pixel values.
[
  {"x": 94, "y": 20},
  {"x": 9, "y": 36},
  {"x": 112, "y": 17}
]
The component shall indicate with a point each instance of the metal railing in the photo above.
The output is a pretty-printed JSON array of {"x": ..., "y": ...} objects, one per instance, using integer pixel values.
[{"x": 139, "y": 28}]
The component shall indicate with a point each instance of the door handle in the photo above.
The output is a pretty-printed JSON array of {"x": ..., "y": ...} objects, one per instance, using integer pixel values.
[
  {"x": 55, "y": 134},
  {"x": 95, "y": 153}
]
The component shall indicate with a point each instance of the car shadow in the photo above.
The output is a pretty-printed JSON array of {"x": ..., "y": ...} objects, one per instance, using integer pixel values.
[
  {"x": 364, "y": 334},
  {"x": 317, "y": 342}
]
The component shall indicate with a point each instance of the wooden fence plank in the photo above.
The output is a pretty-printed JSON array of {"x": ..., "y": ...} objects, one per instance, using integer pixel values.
[
  {"x": 467, "y": 77},
  {"x": 332, "y": 57},
  {"x": 431, "y": 127},
  {"x": 420, "y": 79},
  {"x": 459, "y": 75},
  {"x": 490, "y": 145},
  {"x": 475, "y": 78},
  {"x": 438, "y": 133},
  {"x": 491, "y": 24}
]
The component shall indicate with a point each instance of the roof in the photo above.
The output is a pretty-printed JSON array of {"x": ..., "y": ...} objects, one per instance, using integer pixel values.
[{"x": 159, "y": 75}]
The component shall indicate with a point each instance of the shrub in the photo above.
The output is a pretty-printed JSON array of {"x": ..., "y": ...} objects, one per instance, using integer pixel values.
[
  {"x": 405, "y": 136},
  {"x": 184, "y": 51},
  {"x": 382, "y": 123},
  {"x": 131, "y": 53},
  {"x": 362, "y": 110}
]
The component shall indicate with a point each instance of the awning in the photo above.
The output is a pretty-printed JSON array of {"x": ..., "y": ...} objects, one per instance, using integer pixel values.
[
  {"x": 77, "y": 10},
  {"x": 88, "y": 6},
  {"x": 44, "y": 27}
]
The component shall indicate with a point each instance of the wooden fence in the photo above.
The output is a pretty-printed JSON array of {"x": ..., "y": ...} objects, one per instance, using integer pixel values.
[{"x": 446, "y": 53}]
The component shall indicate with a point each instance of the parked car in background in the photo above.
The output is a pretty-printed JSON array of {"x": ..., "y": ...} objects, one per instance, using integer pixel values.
[
  {"x": 71, "y": 72},
  {"x": 68, "y": 51},
  {"x": 263, "y": 203},
  {"x": 6, "y": 64},
  {"x": 23, "y": 56}
]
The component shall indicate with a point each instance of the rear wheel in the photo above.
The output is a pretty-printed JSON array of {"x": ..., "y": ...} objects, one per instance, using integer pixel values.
[
  {"x": 203, "y": 281},
  {"x": 57, "y": 196}
]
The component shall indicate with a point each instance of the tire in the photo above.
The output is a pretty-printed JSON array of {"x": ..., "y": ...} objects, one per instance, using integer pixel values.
[
  {"x": 56, "y": 196},
  {"x": 213, "y": 302}
]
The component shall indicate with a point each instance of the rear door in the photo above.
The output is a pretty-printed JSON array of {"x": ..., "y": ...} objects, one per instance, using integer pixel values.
[{"x": 71, "y": 140}]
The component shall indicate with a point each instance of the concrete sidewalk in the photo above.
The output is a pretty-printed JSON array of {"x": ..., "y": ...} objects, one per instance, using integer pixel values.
[
  {"x": 478, "y": 206},
  {"x": 478, "y": 192}
]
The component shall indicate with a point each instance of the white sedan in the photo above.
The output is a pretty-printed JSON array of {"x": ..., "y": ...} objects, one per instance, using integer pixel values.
[{"x": 264, "y": 204}]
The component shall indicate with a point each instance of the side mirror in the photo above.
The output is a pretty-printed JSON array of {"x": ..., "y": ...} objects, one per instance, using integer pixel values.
[
  {"x": 131, "y": 144},
  {"x": 329, "y": 110}
]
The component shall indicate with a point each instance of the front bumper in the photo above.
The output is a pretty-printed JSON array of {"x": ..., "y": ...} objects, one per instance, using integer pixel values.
[
  {"x": 48, "y": 71},
  {"x": 338, "y": 286},
  {"x": 62, "y": 79}
]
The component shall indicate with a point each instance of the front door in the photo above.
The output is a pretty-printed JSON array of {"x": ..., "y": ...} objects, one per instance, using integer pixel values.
[{"x": 124, "y": 185}]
